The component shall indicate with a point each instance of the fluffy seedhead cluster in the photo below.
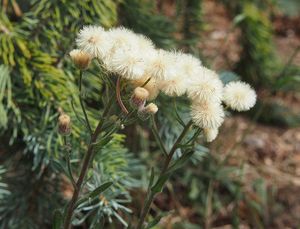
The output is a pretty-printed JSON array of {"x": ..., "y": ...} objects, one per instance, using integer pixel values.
[{"x": 135, "y": 58}]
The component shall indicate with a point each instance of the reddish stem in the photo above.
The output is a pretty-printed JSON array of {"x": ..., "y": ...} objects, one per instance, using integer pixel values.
[{"x": 118, "y": 94}]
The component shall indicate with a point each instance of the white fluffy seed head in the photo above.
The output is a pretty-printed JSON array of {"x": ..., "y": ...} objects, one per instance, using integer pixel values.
[
  {"x": 173, "y": 87},
  {"x": 206, "y": 87},
  {"x": 187, "y": 65},
  {"x": 239, "y": 96},
  {"x": 143, "y": 43},
  {"x": 205, "y": 72},
  {"x": 207, "y": 115},
  {"x": 210, "y": 134},
  {"x": 94, "y": 41},
  {"x": 121, "y": 37},
  {"x": 160, "y": 65},
  {"x": 126, "y": 62}
]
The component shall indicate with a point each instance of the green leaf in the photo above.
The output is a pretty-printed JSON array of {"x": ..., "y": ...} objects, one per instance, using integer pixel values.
[
  {"x": 151, "y": 178},
  {"x": 227, "y": 77},
  {"x": 160, "y": 183},
  {"x": 180, "y": 161},
  {"x": 103, "y": 141},
  {"x": 100, "y": 189},
  {"x": 239, "y": 18},
  {"x": 156, "y": 220},
  {"x": 57, "y": 166},
  {"x": 58, "y": 219}
]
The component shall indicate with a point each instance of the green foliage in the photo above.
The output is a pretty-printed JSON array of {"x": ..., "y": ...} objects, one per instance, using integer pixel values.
[
  {"x": 191, "y": 13},
  {"x": 37, "y": 78},
  {"x": 290, "y": 7},
  {"x": 29, "y": 194},
  {"x": 141, "y": 17},
  {"x": 276, "y": 113},
  {"x": 3, "y": 186},
  {"x": 257, "y": 63}
]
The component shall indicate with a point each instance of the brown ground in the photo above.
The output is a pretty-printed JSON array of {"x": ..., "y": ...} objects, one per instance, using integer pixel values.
[{"x": 266, "y": 151}]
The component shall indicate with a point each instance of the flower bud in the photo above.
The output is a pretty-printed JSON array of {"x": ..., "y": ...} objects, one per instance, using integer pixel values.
[
  {"x": 64, "y": 124},
  {"x": 151, "y": 86},
  {"x": 151, "y": 108},
  {"x": 147, "y": 111},
  {"x": 139, "y": 97},
  {"x": 81, "y": 59}
]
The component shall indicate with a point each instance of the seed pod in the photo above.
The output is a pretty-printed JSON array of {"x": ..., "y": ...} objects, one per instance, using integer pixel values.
[
  {"x": 138, "y": 99},
  {"x": 64, "y": 124},
  {"x": 81, "y": 59},
  {"x": 147, "y": 111},
  {"x": 151, "y": 108}
]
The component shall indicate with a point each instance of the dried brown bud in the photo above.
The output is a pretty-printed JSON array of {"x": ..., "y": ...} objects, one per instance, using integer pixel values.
[
  {"x": 81, "y": 59},
  {"x": 64, "y": 124},
  {"x": 139, "y": 97},
  {"x": 151, "y": 86}
]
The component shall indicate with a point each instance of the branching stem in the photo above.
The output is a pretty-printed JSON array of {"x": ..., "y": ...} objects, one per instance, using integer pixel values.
[
  {"x": 86, "y": 162},
  {"x": 150, "y": 194},
  {"x": 82, "y": 105},
  {"x": 157, "y": 137},
  {"x": 67, "y": 154}
]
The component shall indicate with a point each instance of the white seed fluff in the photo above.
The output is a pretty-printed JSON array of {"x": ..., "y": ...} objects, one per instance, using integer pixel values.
[
  {"x": 187, "y": 64},
  {"x": 126, "y": 62},
  {"x": 173, "y": 87},
  {"x": 205, "y": 87},
  {"x": 211, "y": 134},
  {"x": 93, "y": 40},
  {"x": 239, "y": 96},
  {"x": 121, "y": 37},
  {"x": 160, "y": 65},
  {"x": 144, "y": 44},
  {"x": 207, "y": 115}
]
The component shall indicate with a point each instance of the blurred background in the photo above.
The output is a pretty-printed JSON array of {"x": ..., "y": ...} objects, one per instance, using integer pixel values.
[{"x": 248, "y": 178}]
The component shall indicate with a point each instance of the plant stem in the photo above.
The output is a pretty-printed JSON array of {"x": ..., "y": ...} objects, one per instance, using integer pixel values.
[
  {"x": 86, "y": 162},
  {"x": 150, "y": 194},
  {"x": 288, "y": 63},
  {"x": 157, "y": 137},
  {"x": 118, "y": 94},
  {"x": 81, "y": 103},
  {"x": 67, "y": 154},
  {"x": 146, "y": 82}
]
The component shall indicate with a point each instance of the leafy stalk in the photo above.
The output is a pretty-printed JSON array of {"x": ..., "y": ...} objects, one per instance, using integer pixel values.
[
  {"x": 163, "y": 177},
  {"x": 157, "y": 137},
  {"x": 67, "y": 155},
  {"x": 86, "y": 162},
  {"x": 81, "y": 103}
]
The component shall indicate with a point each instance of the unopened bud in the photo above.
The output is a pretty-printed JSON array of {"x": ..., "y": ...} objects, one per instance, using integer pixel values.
[
  {"x": 81, "y": 59},
  {"x": 151, "y": 108},
  {"x": 64, "y": 124},
  {"x": 147, "y": 111},
  {"x": 151, "y": 86},
  {"x": 139, "y": 97}
]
